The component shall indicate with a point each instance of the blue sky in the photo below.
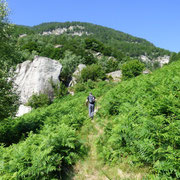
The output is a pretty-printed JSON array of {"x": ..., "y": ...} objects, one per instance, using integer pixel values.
[{"x": 157, "y": 21}]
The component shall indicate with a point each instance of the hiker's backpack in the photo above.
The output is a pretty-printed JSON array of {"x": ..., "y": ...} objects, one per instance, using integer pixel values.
[{"x": 91, "y": 99}]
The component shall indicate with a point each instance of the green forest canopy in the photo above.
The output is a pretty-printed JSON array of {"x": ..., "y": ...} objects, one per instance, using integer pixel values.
[{"x": 130, "y": 45}]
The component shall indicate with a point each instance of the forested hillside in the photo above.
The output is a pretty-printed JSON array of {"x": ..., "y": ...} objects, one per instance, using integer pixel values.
[
  {"x": 88, "y": 43},
  {"x": 127, "y": 44}
]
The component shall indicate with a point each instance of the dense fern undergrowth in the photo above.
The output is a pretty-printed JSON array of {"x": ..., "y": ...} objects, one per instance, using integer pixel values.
[
  {"x": 143, "y": 123},
  {"x": 139, "y": 118},
  {"x": 45, "y": 142}
]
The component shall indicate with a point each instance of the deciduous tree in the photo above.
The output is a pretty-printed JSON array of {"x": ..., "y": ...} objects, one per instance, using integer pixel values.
[{"x": 8, "y": 97}]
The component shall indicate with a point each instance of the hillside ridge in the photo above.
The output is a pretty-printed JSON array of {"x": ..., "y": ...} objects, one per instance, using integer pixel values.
[{"x": 126, "y": 43}]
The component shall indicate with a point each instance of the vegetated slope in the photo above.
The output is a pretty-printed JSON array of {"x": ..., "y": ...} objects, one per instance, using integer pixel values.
[
  {"x": 144, "y": 122},
  {"x": 20, "y": 29},
  {"x": 129, "y": 45},
  {"x": 139, "y": 119},
  {"x": 48, "y": 139},
  {"x": 56, "y": 47}
]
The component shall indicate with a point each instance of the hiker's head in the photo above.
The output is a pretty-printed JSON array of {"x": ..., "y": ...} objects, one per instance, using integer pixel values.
[{"x": 90, "y": 93}]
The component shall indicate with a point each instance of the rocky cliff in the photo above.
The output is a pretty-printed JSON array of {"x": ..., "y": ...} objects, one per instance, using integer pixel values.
[
  {"x": 35, "y": 77},
  {"x": 162, "y": 60}
]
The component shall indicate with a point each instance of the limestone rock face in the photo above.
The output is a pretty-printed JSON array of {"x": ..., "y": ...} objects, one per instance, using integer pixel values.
[
  {"x": 23, "y": 110},
  {"x": 34, "y": 77},
  {"x": 71, "y": 31},
  {"x": 116, "y": 75},
  {"x": 146, "y": 71},
  {"x": 145, "y": 59},
  {"x": 163, "y": 60},
  {"x": 76, "y": 74}
]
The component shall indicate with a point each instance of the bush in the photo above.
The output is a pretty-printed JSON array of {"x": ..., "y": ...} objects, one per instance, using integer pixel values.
[
  {"x": 92, "y": 72},
  {"x": 12, "y": 130},
  {"x": 60, "y": 89},
  {"x": 69, "y": 64},
  {"x": 132, "y": 68},
  {"x": 88, "y": 58},
  {"x": 63, "y": 110},
  {"x": 113, "y": 108},
  {"x": 94, "y": 45},
  {"x": 91, "y": 84},
  {"x": 41, "y": 156},
  {"x": 40, "y": 100},
  {"x": 108, "y": 64},
  {"x": 30, "y": 46},
  {"x": 8, "y": 97},
  {"x": 79, "y": 87},
  {"x": 175, "y": 57}
]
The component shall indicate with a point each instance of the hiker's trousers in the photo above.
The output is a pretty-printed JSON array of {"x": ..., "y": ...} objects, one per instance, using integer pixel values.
[{"x": 91, "y": 110}]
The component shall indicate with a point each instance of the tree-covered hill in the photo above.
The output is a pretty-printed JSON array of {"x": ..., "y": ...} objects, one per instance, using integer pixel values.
[{"x": 127, "y": 44}]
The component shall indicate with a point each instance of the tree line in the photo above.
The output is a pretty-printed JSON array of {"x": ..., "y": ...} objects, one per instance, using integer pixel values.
[{"x": 129, "y": 45}]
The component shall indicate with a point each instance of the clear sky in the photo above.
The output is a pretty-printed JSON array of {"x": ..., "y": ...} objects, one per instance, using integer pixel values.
[{"x": 157, "y": 21}]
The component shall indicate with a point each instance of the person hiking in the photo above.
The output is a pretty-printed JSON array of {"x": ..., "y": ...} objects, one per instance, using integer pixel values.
[{"x": 91, "y": 100}]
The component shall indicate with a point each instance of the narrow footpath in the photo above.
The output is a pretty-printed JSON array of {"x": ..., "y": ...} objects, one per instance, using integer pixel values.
[{"x": 92, "y": 168}]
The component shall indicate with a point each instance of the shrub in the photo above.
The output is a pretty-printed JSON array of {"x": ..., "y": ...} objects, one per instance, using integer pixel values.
[
  {"x": 79, "y": 87},
  {"x": 156, "y": 65},
  {"x": 69, "y": 64},
  {"x": 113, "y": 108},
  {"x": 40, "y": 100},
  {"x": 175, "y": 57},
  {"x": 108, "y": 64},
  {"x": 88, "y": 58},
  {"x": 30, "y": 46},
  {"x": 41, "y": 156},
  {"x": 12, "y": 130},
  {"x": 132, "y": 68},
  {"x": 92, "y": 72},
  {"x": 8, "y": 97},
  {"x": 91, "y": 84},
  {"x": 60, "y": 89},
  {"x": 94, "y": 45},
  {"x": 66, "y": 110}
]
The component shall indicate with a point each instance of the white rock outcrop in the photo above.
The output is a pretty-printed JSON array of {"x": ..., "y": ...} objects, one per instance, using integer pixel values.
[
  {"x": 23, "y": 110},
  {"x": 163, "y": 60},
  {"x": 71, "y": 31},
  {"x": 33, "y": 77},
  {"x": 116, "y": 75},
  {"x": 22, "y": 35},
  {"x": 145, "y": 59},
  {"x": 76, "y": 74},
  {"x": 146, "y": 71}
]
